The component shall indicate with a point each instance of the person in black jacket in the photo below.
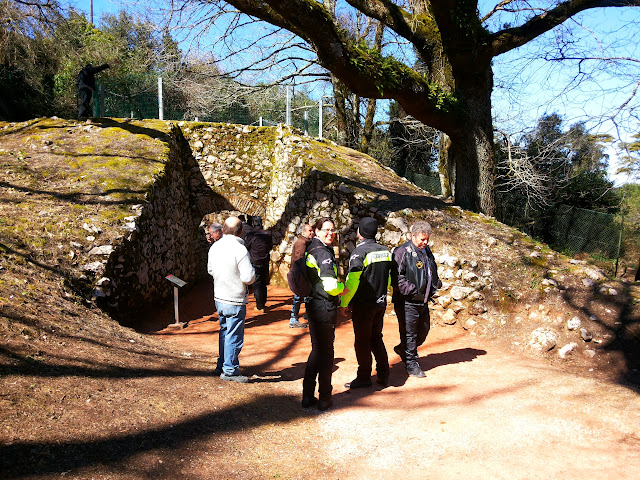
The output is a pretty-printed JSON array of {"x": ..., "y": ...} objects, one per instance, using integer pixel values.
[
  {"x": 367, "y": 282},
  {"x": 299, "y": 247},
  {"x": 86, "y": 83},
  {"x": 259, "y": 243},
  {"x": 322, "y": 310},
  {"x": 416, "y": 280}
]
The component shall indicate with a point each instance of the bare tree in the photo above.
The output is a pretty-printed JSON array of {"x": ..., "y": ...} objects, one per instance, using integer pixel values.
[
  {"x": 438, "y": 67},
  {"x": 518, "y": 172}
]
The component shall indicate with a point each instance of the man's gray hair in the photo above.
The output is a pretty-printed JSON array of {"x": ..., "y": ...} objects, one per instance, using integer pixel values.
[
  {"x": 301, "y": 228},
  {"x": 421, "y": 227},
  {"x": 215, "y": 227}
]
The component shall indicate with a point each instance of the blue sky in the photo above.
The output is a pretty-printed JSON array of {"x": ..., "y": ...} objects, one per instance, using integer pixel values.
[
  {"x": 99, "y": 6},
  {"x": 526, "y": 90}
]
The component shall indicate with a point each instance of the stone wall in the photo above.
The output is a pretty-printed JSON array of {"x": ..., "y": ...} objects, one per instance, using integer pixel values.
[
  {"x": 164, "y": 237},
  {"x": 264, "y": 171}
]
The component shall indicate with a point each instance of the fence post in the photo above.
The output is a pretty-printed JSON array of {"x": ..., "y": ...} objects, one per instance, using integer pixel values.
[
  {"x": 101, "y": 104},
  {"x": 288, "y": 113},
  {"x": 320, "y": 118},
  {"x": 160, "y": 103},
  {"x": 615, "y": 273}
]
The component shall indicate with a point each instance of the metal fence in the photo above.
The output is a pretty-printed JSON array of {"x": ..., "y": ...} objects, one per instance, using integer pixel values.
[
  {"x": 430, "y": 183},
  {"x": 150, "y": 99},
  {"x": 577, "y": 230}
]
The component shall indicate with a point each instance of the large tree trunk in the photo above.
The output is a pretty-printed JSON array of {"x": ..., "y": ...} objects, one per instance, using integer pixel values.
[
  {"x": 472, "y": 153},
  {"x": 367, "y": 129},
  {"x": 472, "y": 146}
]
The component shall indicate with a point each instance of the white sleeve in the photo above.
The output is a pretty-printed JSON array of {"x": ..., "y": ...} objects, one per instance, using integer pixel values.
[
  {"x": 247, "y": 272},
  {"x": 210, "y": 261}
]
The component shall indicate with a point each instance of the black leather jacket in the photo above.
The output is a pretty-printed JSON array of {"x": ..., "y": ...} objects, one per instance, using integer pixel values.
[{"x": 411, "y": 275}]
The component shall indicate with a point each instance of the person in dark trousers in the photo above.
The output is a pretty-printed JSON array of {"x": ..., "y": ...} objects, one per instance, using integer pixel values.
[
  {"x": 259, "y": 243},
  {"x": 322, "y": 310},
  {"x": 368, "y": 279},
  {"x": 415, "y": 281},
  {"x": 299, "y": 247},
  {"x": 86, "y": 83}
]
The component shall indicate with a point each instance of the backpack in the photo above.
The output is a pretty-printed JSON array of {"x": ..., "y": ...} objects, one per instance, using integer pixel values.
[{"x": 298, "y": 279}]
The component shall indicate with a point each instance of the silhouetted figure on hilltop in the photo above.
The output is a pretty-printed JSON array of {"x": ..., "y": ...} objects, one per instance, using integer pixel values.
[{"x": 86, "y": 83}]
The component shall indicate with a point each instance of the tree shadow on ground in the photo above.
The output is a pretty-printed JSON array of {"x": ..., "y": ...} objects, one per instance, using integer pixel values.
[
  {"x": 623, "y": 330},
  {"x": 24, "y": 458},
  {"x": 81, "y": 197},
  {"x": 14, "y": 362},
  {"x": 131, "y": 127}
]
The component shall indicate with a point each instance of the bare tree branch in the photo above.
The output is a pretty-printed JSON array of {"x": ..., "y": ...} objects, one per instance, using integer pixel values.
[{"x": 510, "y": 38}]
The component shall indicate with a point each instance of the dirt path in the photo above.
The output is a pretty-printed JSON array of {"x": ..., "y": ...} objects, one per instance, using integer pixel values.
[{"x": 481, "y": 413}]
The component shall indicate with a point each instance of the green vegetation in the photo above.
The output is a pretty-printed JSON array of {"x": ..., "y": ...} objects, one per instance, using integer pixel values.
[{"x": 553, "y": 185}]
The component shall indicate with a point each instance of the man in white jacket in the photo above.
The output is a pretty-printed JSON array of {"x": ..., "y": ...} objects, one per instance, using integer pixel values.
[{"x": 231, "y": 269}]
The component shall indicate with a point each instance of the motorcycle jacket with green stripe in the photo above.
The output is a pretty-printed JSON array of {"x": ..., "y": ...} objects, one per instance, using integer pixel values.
[
  {"x": 323, "y": 272},
  {"x": 369, "y": 274}
]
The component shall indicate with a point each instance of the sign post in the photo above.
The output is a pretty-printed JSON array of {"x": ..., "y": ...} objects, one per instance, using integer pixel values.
[{"x": 177, "y": 283}]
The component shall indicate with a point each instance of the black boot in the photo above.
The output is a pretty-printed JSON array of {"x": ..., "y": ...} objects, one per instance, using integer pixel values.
[
  {"x": 309, "y": 401},
  {"x": 324, "y": 404}
]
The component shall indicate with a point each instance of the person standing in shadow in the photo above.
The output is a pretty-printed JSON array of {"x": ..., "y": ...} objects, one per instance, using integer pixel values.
[
  {"x": 259, "y": 242},
  {"x": 86, "y": 83}
]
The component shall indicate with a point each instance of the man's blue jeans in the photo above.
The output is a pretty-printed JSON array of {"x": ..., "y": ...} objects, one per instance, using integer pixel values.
[{"x": 231, "y": 337}]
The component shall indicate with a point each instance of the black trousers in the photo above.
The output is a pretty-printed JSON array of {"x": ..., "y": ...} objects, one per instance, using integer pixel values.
[
  {"x": 85, "y": 109},
  {"x": 368, "y": 321},
  {"x": 414, "y": 324},
  {"x": 322, "y": 330},
  {"x": 260, "y": 285}
]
